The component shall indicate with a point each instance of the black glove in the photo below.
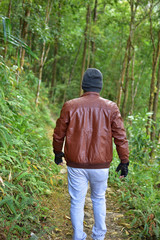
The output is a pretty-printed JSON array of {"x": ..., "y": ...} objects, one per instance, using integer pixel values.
[
  {"x": 58, "y": 157},
  {"x": 124, "y": 169}
]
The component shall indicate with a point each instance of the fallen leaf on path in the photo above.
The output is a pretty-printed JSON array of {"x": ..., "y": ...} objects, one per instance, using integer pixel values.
[
  {"x": 109, "y": 189},
  {"x": 57, "y": 230},
  {"x": 67, "y": 217},
  {"x": 115, "y": 233},
  {"x": 124, "y": 224},
  {"x": 118, "y": 216},
  {"x": 127, "y": 233},
  {"x": 69, "y": 234}
]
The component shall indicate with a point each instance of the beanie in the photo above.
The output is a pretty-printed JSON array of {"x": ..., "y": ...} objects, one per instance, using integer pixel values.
[{"x": 92, "y": 80}]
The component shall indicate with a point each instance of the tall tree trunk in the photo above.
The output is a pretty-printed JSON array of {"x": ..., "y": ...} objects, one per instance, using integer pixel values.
[
  {"x": 42, "y": 62},
  {"x": 121, "y": 80},
  {"x": 40, "y": 73},
  {"x": 133, "y": 91},
  {"x": 54, "y": 67},
  {"x": 9, "y": 9},
  {"x": 155, "y": 105},
  {"x": 56, "y": 41},
  {"x": 133, "y": 6},
  {"x": 154, "y": 67},
  {"x": 89, "y": 47},
  {"x": 24, "y": 34},
  {"x": 72, "y": 71},
  {"x": 156, "y": 54},
  {"x": 93, "y": 48},
  {"x": 30, "y": 40},
  {"x": 85, "y": 47},
  {"x": 8, "y": 15},
  {"x": 126, "y": 83},
  {"x": 21, "y": 19},
  {"x": 44, "y": 54}
]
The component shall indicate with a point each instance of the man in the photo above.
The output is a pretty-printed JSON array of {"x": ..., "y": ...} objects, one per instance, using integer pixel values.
[{"x": 88, "y": 124}]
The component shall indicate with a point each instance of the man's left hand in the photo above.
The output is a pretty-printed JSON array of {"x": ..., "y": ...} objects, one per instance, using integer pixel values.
[{"x": 123, "y": 167}]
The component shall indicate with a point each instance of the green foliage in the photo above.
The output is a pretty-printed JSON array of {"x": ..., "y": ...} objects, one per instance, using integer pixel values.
[
  {"x": 140, "y": 143},
  {"x": 139, "y": 192},
  {"x": 9, "y": 38},
  {"x": 26, "y": 159}
]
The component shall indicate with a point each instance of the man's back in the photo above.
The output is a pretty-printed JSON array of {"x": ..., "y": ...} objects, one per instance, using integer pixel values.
[{"x": 90, "y": 122}]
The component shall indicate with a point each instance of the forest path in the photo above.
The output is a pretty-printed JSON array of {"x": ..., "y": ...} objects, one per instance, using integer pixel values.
[{"x": 59, "y": 204}]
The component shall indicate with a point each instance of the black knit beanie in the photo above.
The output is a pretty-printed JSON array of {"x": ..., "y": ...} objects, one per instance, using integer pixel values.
[{"x": 92, "y": 80}]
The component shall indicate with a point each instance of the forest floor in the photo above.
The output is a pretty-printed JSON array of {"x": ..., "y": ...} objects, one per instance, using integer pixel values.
[{"x": 58, "y": 222}]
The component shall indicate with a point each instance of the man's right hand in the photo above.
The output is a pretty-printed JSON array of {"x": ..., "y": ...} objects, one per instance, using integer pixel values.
[{"x": 58, "y": 158}]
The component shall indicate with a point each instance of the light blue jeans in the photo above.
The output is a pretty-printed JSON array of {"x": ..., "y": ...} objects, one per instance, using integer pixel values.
[{"x": 78, "y": 179}]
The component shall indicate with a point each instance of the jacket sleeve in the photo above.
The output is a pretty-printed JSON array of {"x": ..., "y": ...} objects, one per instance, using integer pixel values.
[
  {"x": 119, "y": 135},
  {"x": 60, "y": 129}
]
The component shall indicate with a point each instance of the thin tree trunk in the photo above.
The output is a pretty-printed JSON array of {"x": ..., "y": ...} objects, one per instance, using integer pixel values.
[
  {"x": 56, "y": 41},
  {"x": 154, "y": 67},
  {"x": 92, "y": 62},
  {"x": 133, "y": 12},
  {"x": 155, "y": 105},
  {"x": 72, "y": 71},
  {"x": 133, "y": 87},
  {"x": 8, "y": 15},
  {"x": 89, "y": 42},
  {"x": 85, "y": 47},
  {"x": 133, "y": 6},
  {"x": 19, "y": 51},
  {"x": 9, "y": 9},
  {"x": 126, "y": 83},
  {"x": 30, "y": 40},
  {"x": 43, "y": 60},
  {"x": 54, "y": 66},
  {"x": 89, "y": 49},
  {"x": 44, "y": 54},
  {"x": 75, "y": 61},
  {"x": 21, "y": 19},
  {"x": 156, "y": 54},
  {"x": 40, "y": 73},
  {"x": 121, "y": 80},
  {"x": 133, "y": 92},
  {"x": 24, "y": 35}
]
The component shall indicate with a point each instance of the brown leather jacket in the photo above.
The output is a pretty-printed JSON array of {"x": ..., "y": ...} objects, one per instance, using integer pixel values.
[{"x": 88, "y": 125}]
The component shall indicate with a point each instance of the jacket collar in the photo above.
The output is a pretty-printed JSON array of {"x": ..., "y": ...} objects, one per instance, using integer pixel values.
[{"x": 90, "y": 93}]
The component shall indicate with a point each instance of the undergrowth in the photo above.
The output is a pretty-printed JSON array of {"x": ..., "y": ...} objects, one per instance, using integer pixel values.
[
  {"x": 139, "y": 192},
  {"x": 26, "y": 159}
]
